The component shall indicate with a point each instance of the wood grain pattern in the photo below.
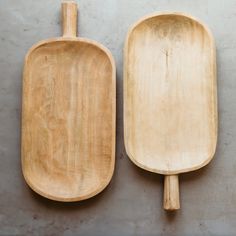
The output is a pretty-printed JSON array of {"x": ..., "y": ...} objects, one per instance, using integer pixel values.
[
  {"x": 69, "y": 18},
  {"x": 68, "y": 117},
  {"x": 171, "y": 192},
  {"x": 170, "y": 100}
]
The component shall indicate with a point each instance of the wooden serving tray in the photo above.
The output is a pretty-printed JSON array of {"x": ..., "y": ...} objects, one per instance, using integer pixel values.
[
  {"x": 68, "y": 115},
  {"x": 170, "y": 97}
]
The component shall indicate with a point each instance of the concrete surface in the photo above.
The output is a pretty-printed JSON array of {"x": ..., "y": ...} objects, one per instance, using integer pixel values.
[{"x": 131, "y": 205}]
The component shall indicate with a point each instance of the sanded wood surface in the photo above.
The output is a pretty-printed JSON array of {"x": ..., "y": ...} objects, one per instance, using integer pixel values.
[
  {"x": 68, "y": 117},
  {"x": 170, "y": 100},
  {"x": 171, "y": 192}
]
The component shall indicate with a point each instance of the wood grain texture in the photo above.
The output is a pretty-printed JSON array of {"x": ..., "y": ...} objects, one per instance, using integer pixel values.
[
  {"x": 68, "y": 118},
  {"x": 171, "y": 193},
  {"x": 170, "y": 100},
  {"x": 69, "y": 18}
]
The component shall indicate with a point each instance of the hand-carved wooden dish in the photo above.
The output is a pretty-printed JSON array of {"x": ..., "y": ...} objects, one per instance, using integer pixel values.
[
  {"x": 170, "y": 97},
  {"x": 68, "y": 123}
]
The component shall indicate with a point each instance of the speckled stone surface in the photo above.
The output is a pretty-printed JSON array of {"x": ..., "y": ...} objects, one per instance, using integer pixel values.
[{"x": 132, "y": 203}]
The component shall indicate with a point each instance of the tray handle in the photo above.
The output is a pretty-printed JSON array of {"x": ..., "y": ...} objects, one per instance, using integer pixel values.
[
  {"x": 69, "y": 18},
  {"x": 171, "y": 193}
]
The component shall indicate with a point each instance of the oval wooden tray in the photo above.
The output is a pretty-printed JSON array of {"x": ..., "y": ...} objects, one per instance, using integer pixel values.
[
  {"x": 68, "y": 116},
  {"x": 170, "y": 97}
]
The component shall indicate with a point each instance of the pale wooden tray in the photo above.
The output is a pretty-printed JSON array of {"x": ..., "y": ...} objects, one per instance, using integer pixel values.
[
  {"x": 68, "y": 115},
  {"x": 170, "y": 97}
]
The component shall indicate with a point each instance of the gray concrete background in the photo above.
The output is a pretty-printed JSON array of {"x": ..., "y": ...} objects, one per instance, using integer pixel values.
[{"x": 132, "y": 203}]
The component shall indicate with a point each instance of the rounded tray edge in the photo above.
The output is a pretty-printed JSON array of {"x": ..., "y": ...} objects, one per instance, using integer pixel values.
[{"x": 68, "y": 199}]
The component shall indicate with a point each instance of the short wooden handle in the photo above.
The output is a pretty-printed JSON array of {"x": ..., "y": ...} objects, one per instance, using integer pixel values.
[
  {"x": 171, "y": 193},
  {"x": 69, "y": 18}
]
